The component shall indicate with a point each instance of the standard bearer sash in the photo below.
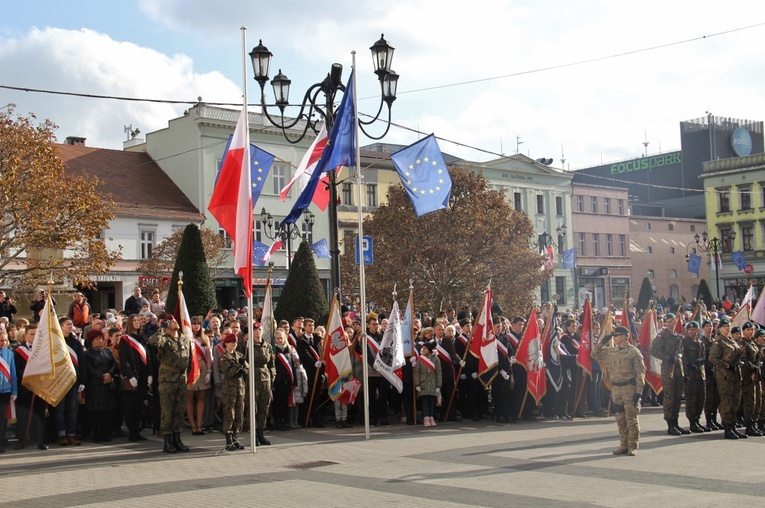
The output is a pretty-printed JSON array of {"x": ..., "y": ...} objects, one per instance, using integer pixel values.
[
  {"x": 138, "y": 347},
  {"x": 427, "y": 362}
]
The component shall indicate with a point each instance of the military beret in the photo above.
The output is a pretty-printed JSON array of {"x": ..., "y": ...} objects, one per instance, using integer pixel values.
[
  {"x": 621, "y": 330},
  {"x": 759, "y": 333},
  {"x": 735, "y": 329},
  {"x": 705, "y": 323},
  {"x": 669, "y": 315},
  {"x": 465, "y": 322},
  {"x": 724, "y": 322},
  {"x": 692, "y": 324},
  {"x": 256, "y": 326},
  {"x": 747, "y": 325},
  {"x": 231, "y": 337}
]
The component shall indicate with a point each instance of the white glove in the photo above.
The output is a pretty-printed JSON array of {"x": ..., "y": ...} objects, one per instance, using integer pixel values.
[
  {"x": 80, "y": 388},
  {"x": 462, "y": 363},
  {"x": 438, "y": 392},
  {"x": 133, "y": 382},
  {"x": 13, "y": 397},
  {"x": 463, "y": 376},
  {"x": 150, "y": 380},
  {"x": 504, "y": 375},
  {"x": 474, "y": 375},
  {"x": 513, "y": 361},
  {"x": 418, "y": 389},
  {"x": 207, "y": 378},
  {"x": 413, "y": 359},
  {"x": 317, "y": 364}
]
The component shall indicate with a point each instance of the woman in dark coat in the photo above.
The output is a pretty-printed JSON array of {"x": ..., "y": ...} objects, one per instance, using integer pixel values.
[
  {"x": 135, "y": 366},
  {"x": 100, "y": 388}
]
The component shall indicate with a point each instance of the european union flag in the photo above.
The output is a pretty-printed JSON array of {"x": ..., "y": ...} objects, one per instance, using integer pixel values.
[
  {"x": 569, "y": 258},
  {"x": 340, "y": 150},
  {"x": 424, "y": 175},
  {"x": 321, "y": 249},
  {"x": 258, "y": 251},
  {"x": 694, "y": 263},
  {"x": 739, "y": 259},
  {"x": 260, "y": 164}
]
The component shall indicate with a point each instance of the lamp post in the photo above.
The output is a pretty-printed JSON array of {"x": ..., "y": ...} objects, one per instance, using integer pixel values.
[
  {"x": 546, "y": 238},
  {"x": 286, "y": 232},
  {"x": 314, "y": 111},
  {"x": 715, "y": 246}
]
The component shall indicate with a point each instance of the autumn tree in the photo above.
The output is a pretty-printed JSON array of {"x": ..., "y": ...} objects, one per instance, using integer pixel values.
[
  {"x": 163, "y": 256},
  {"x": 646, "y": 294},
  {"x": 303, "y": 295},
  {"x": 47, "y": 212},
  {"x": 452, "y": 254}
]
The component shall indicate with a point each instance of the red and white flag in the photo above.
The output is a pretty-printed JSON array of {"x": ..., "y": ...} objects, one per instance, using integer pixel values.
[
  {"x": 274, "y": 247},
  {"x": 584, "y": 357},
  {"x": 648, "y": 332},
  {"x": 758, "y": 314},
  {"x": 307, "y": 164},
  {"x": 184, "y": 320},
  {"x": 337, "y": 361},
  {"x": 231, "y": 201},
  {"x": 530, "y": 356},
  {"x": 483, "y": 344}
]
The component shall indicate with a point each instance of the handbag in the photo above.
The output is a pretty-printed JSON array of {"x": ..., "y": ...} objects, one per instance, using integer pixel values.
[{"x": 125, "y": 382}]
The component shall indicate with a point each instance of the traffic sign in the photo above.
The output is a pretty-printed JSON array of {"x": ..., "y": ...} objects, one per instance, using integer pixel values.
[
  {"x": 365, "y": 249},
  {"x": 748, "y": 269}
]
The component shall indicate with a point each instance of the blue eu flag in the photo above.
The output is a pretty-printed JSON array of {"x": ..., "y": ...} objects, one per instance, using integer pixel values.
[
  {"x": 259, "y": 250},
  {"x": 569, "y": 258},
  {"x": 260, "y": 165},
  {"x": 321, "y": 249},
  {"x": 424, "y": 175},
  {"x": 694, "y": 263},
  {"x": 738, "y": 258}
]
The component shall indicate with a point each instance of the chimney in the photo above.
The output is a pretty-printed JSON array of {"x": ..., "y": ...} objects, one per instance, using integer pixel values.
[{"x": 74, "y": 140}]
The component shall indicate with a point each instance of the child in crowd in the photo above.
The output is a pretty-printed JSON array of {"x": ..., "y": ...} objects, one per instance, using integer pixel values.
[{"x": 427, "y": 381}]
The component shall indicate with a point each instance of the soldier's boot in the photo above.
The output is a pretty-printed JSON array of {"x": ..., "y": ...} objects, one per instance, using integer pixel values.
[
  {"x": 752, "y": 431},
  {"x": 261, "y": 438},
  {"x": 740, "y": 435},
  {"x": 682, "y": 430},
  {"x": 176, "y": 437},
  {"x": 621, "y": 423},
  {"x": 761, "y": 425},
  {"x": 717, "y": 425},
  {"x": 235, "y": 440},
  {"x": 729, "y": 432},
  {"x": 230, "y": 446},
  {"x": 169, "y": 448},
  {"x": 705, "y": 429},
  {"x": 696, "y": 428},
  {"x": 672, "y": 430}
]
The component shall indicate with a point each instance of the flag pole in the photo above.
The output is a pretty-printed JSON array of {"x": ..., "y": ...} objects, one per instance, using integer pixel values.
[{"x": 411, "y": 335}]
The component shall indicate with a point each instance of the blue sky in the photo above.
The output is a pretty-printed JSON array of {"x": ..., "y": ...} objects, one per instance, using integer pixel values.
[{"x": 602, "y": 110}]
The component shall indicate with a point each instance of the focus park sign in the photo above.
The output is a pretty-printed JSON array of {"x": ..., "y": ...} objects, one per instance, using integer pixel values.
[{"x": 646, "y": 163}]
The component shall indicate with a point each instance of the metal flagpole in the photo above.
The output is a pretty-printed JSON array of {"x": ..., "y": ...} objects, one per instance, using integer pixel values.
[
  {"x": 362, "y": 279},
  {"x": 250, "y": 314}
]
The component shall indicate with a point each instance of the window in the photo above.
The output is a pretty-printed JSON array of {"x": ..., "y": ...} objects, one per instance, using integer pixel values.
[
  {"x": 595, "y": 246},
  {"x": 609, "y": 245},
  {"x": 670, "y": 227},
  {"x": 622, "y": 245},
  {"x": 372, "y": 195},
  {"x": 594, "y": 204},
  {"x": 558, "y": 206},
  {"x": 649, "y": 274},
  {"x": 349, "y": 245},
  {"x": 560, "y": 289},
  {"x": 671, "y": 250},
  {"x": 582, "y": 243},
  {"x": 673, "y": 274},
  {"x": 279, "y": 174},
  {"x": 347, "y": 193},
  {"x": 540, "y": 204},
  {"x": 747, "y": 237},
  {"x": 580, "y": 203},
  {"x": 727, "y": 240},
  {"x": 620, "y": 206},
  {"x": 607, "y": 206},
  {"x": 307, "y": 231},
  {"x": 723, "y": 200},
  {"x": 649, "y": 249},
  {"x": 693, "y": 228},
  {"x": 762, "y": 194},
  {"x": 147, "y": 243},
  {"x": 227, "y": 242},
  {"x": 745, "y": 197},
  {"x": 517, "y": 203},
  {"x": 648, "y": 226},
  {"x": 546, "y": 291}
]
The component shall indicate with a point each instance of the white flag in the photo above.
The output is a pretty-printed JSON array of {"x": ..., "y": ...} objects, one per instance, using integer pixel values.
[
  {"x": 267, "y": 318},
  {"x": 758, "y": 314},
  {"x": 391, "y": 355}
]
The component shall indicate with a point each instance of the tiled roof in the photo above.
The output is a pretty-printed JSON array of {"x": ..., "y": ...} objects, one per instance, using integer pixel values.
[{"x": 136, "y": 183}]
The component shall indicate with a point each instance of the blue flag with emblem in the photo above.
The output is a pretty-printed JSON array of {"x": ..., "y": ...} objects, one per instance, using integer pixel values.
[
  {"x": 321, "y": 249},
  {"x": 259, "y": 250},
  {"x": 260, "y": 164},
  {"x": 569, "y": 258},
  {"x": 694, "y": 263},
  {"x": 738, "y": 258},
  {"x": 424, "y": 175}
]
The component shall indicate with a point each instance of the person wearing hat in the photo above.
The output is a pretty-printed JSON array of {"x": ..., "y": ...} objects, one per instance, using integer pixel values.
[
  {"x": 694, "y": 356},
  {"x": 427, "y": 381},
  {"x": 725, "y": 355},
  {"x": 711, "y": 396},
  {"x": 233, "y": 371},
  {"x": 759, "y": 339},
  {"x": 627, "y": 371},
  {"x": 751, "y": 388},
  {"x": 263, "y": 371},
  {"x": 667, "y": 347}
]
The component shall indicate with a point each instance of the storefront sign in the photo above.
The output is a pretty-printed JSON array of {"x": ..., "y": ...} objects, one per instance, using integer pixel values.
[
  {"x": 741, "y": 142},
  {"x": 152, "y": 281}
]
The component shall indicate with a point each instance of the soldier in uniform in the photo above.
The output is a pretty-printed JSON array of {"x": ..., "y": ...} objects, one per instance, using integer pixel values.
[
  {"x": 667, "y": 347},
  {"x": 711, "y": 397},
  {"x": 174, "y": 353},
  {"x": 264, "y": 372},
  {"x": 694, "y": 357},
  {"x": 627, "y": 371},
  {"x": 759, "y": 338},
  {"x": 233, "y": 371},
  {"x": 725, "y": 355},
  {"x": 750, "y": 380}
]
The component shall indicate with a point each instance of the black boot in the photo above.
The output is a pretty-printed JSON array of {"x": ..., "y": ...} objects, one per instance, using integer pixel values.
[
  {"x": 178, "y": 443},
  {"x": 729, "y": 432},
  {"x": 169, "y": 448},
  {"x": 239, "y": 446},
  {"x": 671, "y": 429},
  {"x": 739, "y": 434},
  {"x": 230, "y": 446},
  {"x": 696, "y": 428},
  {"x": 752, "y": 431},
  {"x": 679, "y": 428},
  {"x": 261, "y": 438}
]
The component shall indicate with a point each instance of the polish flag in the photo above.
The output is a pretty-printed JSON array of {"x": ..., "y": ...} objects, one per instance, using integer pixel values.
[
  {"x": 308, "y": 164},
  {"x": 274, "y": 247},
  {"x": 231, "y": 201}
]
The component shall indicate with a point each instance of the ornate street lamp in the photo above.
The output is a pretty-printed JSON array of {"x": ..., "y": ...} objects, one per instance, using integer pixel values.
[
  {"x": 715, "y": 246},
  {"x": 313, "y": 112},
  {"x": 285, "y": 232}
]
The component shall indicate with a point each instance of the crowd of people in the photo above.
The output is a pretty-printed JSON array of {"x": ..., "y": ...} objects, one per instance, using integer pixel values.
[{"x": 134, "y": 367}]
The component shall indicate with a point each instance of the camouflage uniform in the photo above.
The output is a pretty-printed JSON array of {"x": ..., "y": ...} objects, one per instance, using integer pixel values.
[
  {"x": 711, "y": 396},
  {"x": 264, "y": 373},
  {"x": 233, "y": 371},
  {"x": 725, "y": 355},
  {"x": 627, "y": 371},
  {"x": 750, "y": 382},
  {"x": 694, "y": 356},
  {"x": 174, "y": 362},
  {"x": 666, "y": 347}
]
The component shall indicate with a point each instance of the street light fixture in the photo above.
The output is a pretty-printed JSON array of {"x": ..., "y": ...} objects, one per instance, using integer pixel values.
[
  {"x": 313, "y": 112},
  {"x": 715, "y": 246},
  {"x": 285, "y": 232}
]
